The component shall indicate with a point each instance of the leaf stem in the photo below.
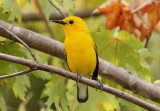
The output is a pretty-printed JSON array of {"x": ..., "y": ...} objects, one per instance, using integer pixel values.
[{"x": 116, "y": 50}]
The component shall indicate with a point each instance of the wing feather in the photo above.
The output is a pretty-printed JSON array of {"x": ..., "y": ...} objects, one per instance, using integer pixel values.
[{"x": 95, "y": 73}]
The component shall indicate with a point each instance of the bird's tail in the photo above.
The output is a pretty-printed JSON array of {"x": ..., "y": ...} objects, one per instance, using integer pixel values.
[{"x": 82, "y": 92}]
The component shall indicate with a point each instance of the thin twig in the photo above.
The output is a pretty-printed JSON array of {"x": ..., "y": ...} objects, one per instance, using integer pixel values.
[
  {"x": 57, "y": 9},
  {"x": 83, "y": 80},
  {"x": 20, "y": 41},
  {"x": 44, "y": 19},
  {"x": 16, "y": 74},
  {"x": 146, "y": 44}
]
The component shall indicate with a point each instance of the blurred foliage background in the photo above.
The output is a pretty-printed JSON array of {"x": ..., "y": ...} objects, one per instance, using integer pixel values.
[{"x": 41, "y": 91}]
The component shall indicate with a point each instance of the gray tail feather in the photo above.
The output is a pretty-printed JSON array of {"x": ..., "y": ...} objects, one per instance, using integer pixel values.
[{"x": 82, "y": 92}]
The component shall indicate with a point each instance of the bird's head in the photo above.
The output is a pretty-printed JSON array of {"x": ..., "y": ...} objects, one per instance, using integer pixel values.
[{"x": 72, "y": 25}]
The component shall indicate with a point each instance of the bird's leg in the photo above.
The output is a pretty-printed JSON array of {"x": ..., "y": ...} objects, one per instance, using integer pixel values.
[
  {"x": 96, "y": 79},
  {"x": 78, "y": 77}
]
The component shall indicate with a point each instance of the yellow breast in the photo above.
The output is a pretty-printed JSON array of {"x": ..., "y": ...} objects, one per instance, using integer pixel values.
[{"x": 81, "y": 54}]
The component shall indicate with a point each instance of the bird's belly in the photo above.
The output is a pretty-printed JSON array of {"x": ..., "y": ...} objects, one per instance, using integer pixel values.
[{"x": 82, "y": 61}]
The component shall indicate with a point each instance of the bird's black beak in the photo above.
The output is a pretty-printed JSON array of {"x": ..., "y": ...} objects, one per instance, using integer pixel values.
[{"x": 59, "y": 21}]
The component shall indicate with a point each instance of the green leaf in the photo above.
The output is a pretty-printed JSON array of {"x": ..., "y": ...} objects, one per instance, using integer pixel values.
[
  {"x": 12, "y": 6},
  {"x": 128, "y": 106},
  {"x": 157, "y": 83},
  {"x": 4, "y": 16},
  {"x": 43, "y": 75},
  {"x": 69, "y": 6},
  {"x": 113, "y": 104},
  {"x": 56, "y": 92},
  {"x": 11, "y": 48},
  {"x": 20, "y": 86},
  {"x": 65, "y": 6},
  {"x": 60, "y": 2},
  {"x": 145, "y": 53},
  {"x": 3, "y": 106},
  {"x": 123, "y": 49},
  {"x": 47, "y": 8}
]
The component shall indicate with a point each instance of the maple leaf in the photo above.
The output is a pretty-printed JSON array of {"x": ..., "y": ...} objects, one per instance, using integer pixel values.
[
  {"x": 149, "y": 15},
  {"x": 122, "y": 49},
  {"x": 139, "y": 17}
]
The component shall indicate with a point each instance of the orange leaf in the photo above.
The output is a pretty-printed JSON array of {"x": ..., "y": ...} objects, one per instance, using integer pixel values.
[
  {"x": 112, "y": 12},
  {"x": 120, "y": 14},
  {"x": 153, "y": 11}
]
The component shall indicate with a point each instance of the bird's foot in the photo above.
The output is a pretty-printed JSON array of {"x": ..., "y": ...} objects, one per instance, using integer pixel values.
[
  {"x": 101, "y": 84},
  {"x": 78, "y": 77}
]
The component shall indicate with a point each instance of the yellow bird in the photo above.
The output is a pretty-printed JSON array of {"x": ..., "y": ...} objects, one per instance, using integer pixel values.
[{"x": 81, "y": 52}]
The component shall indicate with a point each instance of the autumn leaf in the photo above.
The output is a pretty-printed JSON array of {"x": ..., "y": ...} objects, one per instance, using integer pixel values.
[{"x": 138, "y": 18}]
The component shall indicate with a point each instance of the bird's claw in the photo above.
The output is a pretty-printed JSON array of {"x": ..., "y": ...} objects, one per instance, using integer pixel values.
[
  {"x": 101, "y": 84},
  {"x": 78, "y": 77}
]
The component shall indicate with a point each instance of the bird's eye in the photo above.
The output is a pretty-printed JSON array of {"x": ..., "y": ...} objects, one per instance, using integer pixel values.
[{"x": 71, "y": 22}]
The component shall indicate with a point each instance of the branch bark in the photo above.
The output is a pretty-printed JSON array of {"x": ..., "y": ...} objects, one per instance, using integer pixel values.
[
  {"x": 16, "y": 74},
  {"x": 56, "y": 16},
  {"x": 83, "y": 80},
  {"x": 108, "y": 70}
]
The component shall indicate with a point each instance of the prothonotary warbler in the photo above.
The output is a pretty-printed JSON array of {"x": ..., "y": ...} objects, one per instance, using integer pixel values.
[{"x": 81, "y": 52}]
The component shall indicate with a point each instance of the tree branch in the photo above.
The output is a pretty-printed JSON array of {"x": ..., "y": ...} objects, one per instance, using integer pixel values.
[
  {"x": 64, "y": 16},
  {"x": 19, "y": 40},
  {"x": 56, "y": 16},
  {"x": 83, "y": 80},
  {"x": 108, "y": 70},
  {"x": 44, "y": 19}
]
